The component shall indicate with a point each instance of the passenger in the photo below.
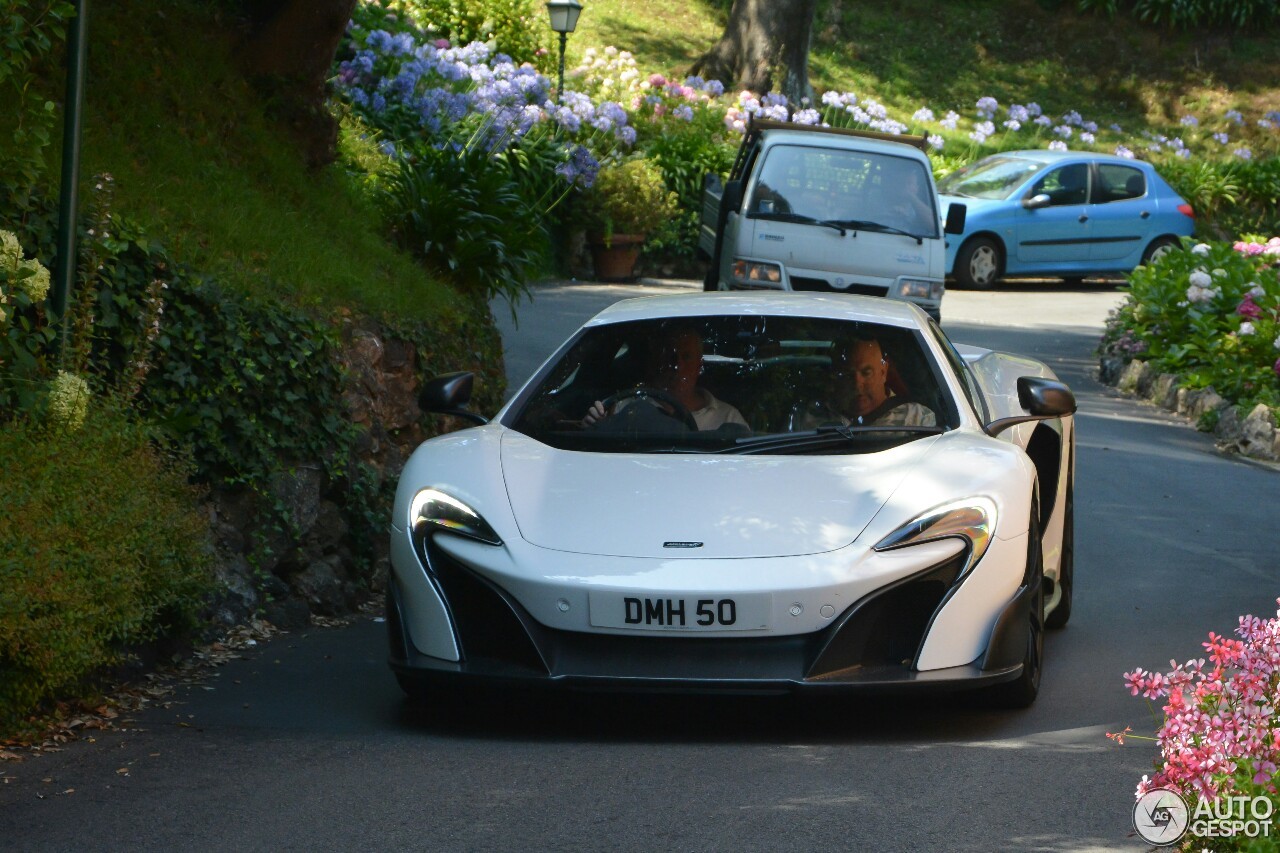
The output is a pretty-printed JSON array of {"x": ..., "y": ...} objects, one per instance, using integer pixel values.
[
  {"x": 859, "y": 393},
  {"x": 676, "y": 372}
]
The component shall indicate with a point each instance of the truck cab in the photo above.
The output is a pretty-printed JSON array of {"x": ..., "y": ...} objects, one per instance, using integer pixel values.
[{"x": 828, "y": 209}]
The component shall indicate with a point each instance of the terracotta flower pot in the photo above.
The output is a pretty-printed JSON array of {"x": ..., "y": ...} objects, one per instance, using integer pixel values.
[{"x": 617, "y": 260}]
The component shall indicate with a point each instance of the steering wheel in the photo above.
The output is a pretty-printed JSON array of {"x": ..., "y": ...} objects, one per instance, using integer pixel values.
[{"x": 664, "y": 399}]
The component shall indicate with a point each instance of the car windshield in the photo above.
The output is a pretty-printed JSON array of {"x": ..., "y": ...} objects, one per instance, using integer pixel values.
[
  {"x": 995, "y": 177},
  {"x": 854, "y": 189},
  {"x": 737, "y": 384}
]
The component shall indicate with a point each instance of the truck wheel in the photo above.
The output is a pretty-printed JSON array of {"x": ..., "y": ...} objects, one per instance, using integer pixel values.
[{"x": 979, "y": 264}]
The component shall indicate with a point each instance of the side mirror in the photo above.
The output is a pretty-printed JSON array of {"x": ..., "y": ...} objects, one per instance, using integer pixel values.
[
  {"x": 732, "y": 199},
  {"x": 1036, "y": 201},
  {"x": 449, "y": 395},
  {"x": 1044, "y": 399},
  {"x": 956, "y": 215}
]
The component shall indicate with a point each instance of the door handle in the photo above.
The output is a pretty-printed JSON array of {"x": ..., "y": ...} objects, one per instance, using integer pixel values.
[
  {"x": 1084, "y": 218},
  {"x": 1146, "y": 214}
]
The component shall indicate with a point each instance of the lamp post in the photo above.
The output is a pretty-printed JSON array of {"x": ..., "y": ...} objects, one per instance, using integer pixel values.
[{"x": 564, "y": 18}]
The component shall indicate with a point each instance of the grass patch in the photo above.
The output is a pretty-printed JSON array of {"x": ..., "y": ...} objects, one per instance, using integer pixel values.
[
  {"x": 198, "y": 163},
  {"x": 946, "y": 55}
]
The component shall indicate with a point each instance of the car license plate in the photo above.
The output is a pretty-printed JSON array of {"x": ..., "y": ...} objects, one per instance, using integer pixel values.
[{"x": 700, "y": 612}]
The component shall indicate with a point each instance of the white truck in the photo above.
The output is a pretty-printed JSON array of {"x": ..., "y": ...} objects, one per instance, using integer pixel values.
[{"x": 828, "y": 209}]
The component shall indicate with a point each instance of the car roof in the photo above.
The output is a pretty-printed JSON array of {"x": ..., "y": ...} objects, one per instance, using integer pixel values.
[
  {"x": 1044, "y": 155},
  {"x": 774, "y": 136},
  {"x": 837, "y": 306}
]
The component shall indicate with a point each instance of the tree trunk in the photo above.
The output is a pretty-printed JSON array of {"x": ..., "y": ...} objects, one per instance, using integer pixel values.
[
  {"x": 765, "y": 47},
  {"x": 290, "y": 51}
]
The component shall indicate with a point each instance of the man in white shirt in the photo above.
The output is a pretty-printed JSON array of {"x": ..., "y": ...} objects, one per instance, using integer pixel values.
[
  {"x": 860, "y": 393},
  {"x": 676, "y": 373}
]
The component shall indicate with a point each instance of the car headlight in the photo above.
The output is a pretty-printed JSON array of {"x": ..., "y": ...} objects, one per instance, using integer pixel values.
[
  {"x": 973, "y": 520},
  {"x": 434, "y": 509},
  {"x": 755, "y": 271},
  {"x": 917, "y": 288}
]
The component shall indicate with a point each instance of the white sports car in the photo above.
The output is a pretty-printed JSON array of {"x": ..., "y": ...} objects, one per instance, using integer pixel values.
[{"x": 755, "y": 493}]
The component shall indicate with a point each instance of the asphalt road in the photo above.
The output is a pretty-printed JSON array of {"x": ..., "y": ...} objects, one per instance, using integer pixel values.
[{"x": 306, "y": 743}]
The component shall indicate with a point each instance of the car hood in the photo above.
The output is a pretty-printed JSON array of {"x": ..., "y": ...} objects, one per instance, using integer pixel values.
[
  {"x": 975, "y": 206},
  {"x": 671, "y": 506}
]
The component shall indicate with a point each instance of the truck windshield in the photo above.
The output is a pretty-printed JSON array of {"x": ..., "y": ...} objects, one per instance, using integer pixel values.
[
  {"x": 798, "y": 183},
  {"x": 994, "y": 177}
]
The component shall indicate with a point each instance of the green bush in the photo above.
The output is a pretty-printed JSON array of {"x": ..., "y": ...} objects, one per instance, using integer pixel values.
[
  {"x": 1209, "y": 314},
  {"x": 686, "y": 153},
  {"x": 101, "y": 548},
  {"x": 517, "y": 28},
  {"x": 31, "y": 31},
  {"x": 463, "y": 212},
  {"x": 630, "y": 197},
  {"x": 1229, "y": 197},
  {"x": 1192, "y": 14}
]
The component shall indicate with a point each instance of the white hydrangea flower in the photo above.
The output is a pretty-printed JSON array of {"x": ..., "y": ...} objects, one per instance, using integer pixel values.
[
  {"x": 1199, "y": 278},
  {"x": 10, "y": 250},
  {"x": 35, "y": 285},
  {"x": 68, "y": 402},
  {"x": 1200, "y": 249},
  {"x": 1246, "y": 328},
  {"x": 1256, "y": 291},
  {"x": 1277, "y": 342},
  {"x": 1219, "y": 272}
]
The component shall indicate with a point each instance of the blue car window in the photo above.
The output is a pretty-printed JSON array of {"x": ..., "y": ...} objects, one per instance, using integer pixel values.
[
  {"x": 1064, "y": 185},
  {"x": 1119, "y": 183}
]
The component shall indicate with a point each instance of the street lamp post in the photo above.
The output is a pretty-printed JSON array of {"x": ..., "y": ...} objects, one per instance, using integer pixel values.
[{"x": 564, "y": 19}]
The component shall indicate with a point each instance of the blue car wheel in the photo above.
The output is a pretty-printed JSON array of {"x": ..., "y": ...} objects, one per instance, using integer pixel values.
[{"x": 979, "y": 263}]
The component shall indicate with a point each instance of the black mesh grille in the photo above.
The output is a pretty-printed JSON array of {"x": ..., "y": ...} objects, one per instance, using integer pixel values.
[
  {"x": 888, "y": 627},
  {"x": 487, "y": 625},
  {"x": 882, "y": 632},
  {"x": 823, "y": 286}
]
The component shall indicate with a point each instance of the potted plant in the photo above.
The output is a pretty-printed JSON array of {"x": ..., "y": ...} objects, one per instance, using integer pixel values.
[{"x": 626, "y": 202}]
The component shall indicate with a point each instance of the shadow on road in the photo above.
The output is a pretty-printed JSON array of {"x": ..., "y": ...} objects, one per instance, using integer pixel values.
[{"x": 575, "y": 717}]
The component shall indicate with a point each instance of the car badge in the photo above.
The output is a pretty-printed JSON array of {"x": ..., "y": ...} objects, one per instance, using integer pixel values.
[{"x": 681, "y": 544}]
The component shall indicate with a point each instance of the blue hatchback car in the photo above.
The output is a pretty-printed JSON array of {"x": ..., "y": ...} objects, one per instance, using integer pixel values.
[{"x": 1060, "y": 213}]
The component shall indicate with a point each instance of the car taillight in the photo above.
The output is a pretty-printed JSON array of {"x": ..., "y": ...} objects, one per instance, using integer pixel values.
[{"x": 1185, "y": 210}]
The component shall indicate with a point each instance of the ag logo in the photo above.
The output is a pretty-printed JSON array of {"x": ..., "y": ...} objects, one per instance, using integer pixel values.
[{"x": 1160, "y": 816}]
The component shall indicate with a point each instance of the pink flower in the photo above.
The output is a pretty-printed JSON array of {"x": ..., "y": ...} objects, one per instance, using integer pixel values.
[
  {"x": 1249, "y": 308},
  {"x": 1276, "y": 367}
]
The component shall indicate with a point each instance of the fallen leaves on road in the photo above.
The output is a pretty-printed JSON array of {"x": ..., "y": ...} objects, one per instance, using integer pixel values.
[{"x": 70, "y": 722}]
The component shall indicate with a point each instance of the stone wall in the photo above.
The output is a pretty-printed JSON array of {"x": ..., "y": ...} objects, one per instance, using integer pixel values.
[
  {"x": 314, "y": 565},
  {"x": 1252, "y": 434}
]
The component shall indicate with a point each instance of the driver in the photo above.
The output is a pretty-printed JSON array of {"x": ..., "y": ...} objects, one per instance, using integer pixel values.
[
  {"x": 676, "y": 371},
  {"x": 859, "y": 392}
]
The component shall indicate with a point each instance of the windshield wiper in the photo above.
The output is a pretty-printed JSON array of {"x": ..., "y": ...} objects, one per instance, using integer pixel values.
[
  {"x": 798, "y": 217},
  {"x": 820, "y": 438},
  {"x": 871, "y": 224}
]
